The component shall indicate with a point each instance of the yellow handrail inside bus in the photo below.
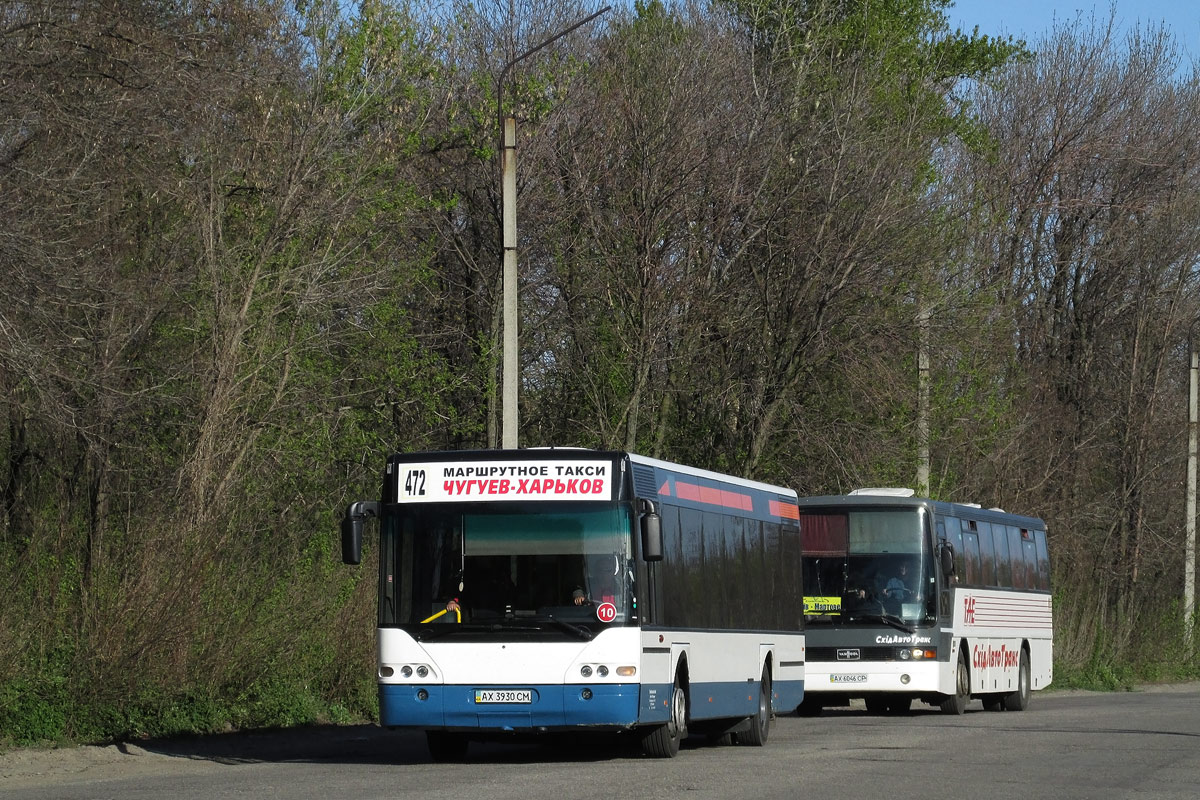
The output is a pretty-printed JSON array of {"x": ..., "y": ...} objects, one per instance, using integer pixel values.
[{"x": 457, "y": 612}]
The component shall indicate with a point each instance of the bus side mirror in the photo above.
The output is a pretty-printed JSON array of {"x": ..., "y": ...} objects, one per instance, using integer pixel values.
[
  {"x": 352, "y": 527},
  {"x": 947, "y": 554},
  {"x": 652, "y": 544}
]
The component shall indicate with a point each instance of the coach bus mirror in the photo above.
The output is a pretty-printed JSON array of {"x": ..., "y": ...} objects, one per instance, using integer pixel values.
[
  {"x": 652, "y": 547},
  {"x": 947, "y": 554},
  {"x": 352, "y": 527}
]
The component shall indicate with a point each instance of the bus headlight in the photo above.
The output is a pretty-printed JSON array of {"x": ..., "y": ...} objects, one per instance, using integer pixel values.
[
  {"x": 602, "y": 671},
  {"x": 585, "y": 671},
  {"x": 406, "y": 671},
  {"x": 905, "y": 654}
]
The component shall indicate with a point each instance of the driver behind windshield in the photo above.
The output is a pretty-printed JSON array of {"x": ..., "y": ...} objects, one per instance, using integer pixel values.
[{"x": 898, "y": 587}]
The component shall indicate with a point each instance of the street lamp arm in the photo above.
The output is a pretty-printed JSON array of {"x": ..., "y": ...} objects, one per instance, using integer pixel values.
[{"x": 531, "y": 51}]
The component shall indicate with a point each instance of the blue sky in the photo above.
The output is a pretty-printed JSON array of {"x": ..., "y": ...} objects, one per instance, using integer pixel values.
[{"x": 1030, "y": 19}]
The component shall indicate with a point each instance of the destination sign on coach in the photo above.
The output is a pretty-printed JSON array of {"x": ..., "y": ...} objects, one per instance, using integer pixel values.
[{"x": 491, "y": 481}]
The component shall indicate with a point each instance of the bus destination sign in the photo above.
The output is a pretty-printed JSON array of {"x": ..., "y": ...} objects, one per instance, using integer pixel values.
[{"x": 492, "y": 481}]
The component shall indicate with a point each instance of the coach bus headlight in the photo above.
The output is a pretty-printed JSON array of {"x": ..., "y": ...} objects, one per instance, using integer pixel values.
[
  {"x": 627, "y": 672},
  {"x": 422, "y": 671},
  {"x": 585, "y": 671},
  {"x": 406, "y": 671},
  {"x": 602, "y": 671},
  {"x": 905, "y": 654},
  {"x": 586, "y": 694}
]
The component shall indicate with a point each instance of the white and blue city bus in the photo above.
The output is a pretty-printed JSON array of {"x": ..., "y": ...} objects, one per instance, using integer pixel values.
[
  {"x": 913, "y": 599},
  {"x": 544, "y": 590}
]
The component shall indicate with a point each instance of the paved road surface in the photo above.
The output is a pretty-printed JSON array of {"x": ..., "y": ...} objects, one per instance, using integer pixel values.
[{"x": 1067, "y": 745}]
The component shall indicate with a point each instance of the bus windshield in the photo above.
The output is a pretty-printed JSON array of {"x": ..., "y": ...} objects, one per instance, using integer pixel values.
[
  {"x": 867, "y": 566},
  {"x": 507, "y": 565}
]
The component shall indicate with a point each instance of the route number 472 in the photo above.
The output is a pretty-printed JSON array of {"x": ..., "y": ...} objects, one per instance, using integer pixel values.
[{"x": 414, "y": 483}]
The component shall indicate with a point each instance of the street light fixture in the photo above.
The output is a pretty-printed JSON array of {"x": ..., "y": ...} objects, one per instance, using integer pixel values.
[{"x": 508, "y": 171}]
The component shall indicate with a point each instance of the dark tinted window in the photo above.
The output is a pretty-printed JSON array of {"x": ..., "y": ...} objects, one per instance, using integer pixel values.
[
  {"x": 1003, "y": 564},
  {"x": 1043, "y": 560},
  {"x": 987, "y": 554}
]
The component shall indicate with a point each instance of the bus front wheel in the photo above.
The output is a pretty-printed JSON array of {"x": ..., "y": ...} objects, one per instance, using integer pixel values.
[
  {"x": 662, "y": 741},
  {"x": 957, "y": 702}
]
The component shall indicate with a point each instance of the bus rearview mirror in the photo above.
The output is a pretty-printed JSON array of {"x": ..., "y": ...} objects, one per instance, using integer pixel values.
[
  {"x": 947, "y": 554},
  {"x": 352, "y": 539},
  {"x": 352, "y": 527},
  {"x": 652, "y": 549}
]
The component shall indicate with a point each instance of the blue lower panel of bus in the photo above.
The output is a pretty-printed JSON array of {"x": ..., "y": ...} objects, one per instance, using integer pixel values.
[
  {"x": 549, "y": 707},
  {"x": 719, "y": 700}
]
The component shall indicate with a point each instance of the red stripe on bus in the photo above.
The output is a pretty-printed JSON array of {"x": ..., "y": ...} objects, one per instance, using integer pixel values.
[
  {"x": 785, "y": 510},
  {"x": 713, "y": 496}
]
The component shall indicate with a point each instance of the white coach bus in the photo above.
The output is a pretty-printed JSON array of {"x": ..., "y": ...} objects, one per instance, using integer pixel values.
[
  {"x": 542, "y": 590},
  {"x": 912, "y": 599}
]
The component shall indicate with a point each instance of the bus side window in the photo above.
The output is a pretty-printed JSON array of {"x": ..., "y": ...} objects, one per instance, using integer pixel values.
[
  {"x": 1017, "y": 559},
  {"x": 971, "y": 545},
  {"x": 1030, "y": 558},
  {"x": 987, "y": 554},
  {"x": 1003, "y": 560},
  {"x": 954, "y": 537},
  {"x": 1043, "y": 560}
]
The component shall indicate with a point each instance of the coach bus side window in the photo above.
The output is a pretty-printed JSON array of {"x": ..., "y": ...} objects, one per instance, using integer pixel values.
[
  {"x": 987, "y": 555},
  {"x": 971, "y": 545},
  {"x": 1016, "y": 558},
  {"x": 1003, "y": 559},
  {"x": 1031, "y": 569},
  {"x": 954, "y": 537},
  {"x": 1043, "y": 560}
]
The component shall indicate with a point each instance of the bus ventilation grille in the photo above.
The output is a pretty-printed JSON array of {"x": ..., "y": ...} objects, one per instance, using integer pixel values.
[{"x": 644, "y": 483}]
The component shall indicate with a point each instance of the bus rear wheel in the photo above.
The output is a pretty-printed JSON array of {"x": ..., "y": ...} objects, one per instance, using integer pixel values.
[
  {"x": 957, "y": 702},
  {"x": 662, "y": 741},
  {"x": 1019, "y": 700},
  {"x": 760, "y": 723}
]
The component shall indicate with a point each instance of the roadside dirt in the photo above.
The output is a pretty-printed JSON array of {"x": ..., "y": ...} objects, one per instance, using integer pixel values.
[{"x": 29, "y": 767}]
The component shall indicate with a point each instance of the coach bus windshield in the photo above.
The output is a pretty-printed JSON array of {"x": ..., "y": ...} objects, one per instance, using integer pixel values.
[
  {"x": 867, "y": 566},
  {"x": 544, "y": 567}
]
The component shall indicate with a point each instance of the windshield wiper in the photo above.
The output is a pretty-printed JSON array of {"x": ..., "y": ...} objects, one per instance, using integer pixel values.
[
  {"x": 887, "y": 619},
  {"x": 440, "y": 631},
  {"x": 575, "y": 630}
]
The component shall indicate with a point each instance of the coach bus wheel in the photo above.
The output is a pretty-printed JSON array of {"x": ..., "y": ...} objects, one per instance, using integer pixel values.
[
  {"x": 662, "y": 741},
  {"x": 1019, "y": 700},
  {"x": 760, "y": 723},
  {"x": 957, "y": 702},
  {"x": 446, "y": 747}
]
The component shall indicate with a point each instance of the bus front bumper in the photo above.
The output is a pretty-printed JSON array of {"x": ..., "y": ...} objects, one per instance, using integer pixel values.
[{"x": 549, "y": 707}]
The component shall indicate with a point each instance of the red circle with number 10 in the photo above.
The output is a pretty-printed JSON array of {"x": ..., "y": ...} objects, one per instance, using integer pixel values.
[{"x": 606, "y": 612}]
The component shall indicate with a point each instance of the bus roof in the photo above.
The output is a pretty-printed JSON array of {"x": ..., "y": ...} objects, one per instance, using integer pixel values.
[{"x": 960, "y": 510}]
